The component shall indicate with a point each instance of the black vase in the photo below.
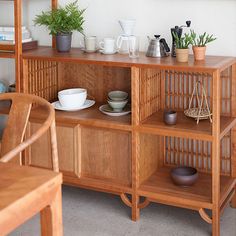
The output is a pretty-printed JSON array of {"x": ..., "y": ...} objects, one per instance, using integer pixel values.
[{"x": 63, "y": 42}]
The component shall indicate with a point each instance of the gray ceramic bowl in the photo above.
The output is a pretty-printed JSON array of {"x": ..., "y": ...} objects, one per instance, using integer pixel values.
[
  {"x": 117, "y": 105},
  {"x": 170, "y": 117},
  {"x": 117, "y": 95},
  {"x": 184, "y": 176}
]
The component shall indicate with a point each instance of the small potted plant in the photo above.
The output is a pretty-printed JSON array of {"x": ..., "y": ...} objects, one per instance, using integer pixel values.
[
  {"x": 199, "y": 44},
  {"x": 182, "y": 46},
  {"x": 61, "y": 22}
]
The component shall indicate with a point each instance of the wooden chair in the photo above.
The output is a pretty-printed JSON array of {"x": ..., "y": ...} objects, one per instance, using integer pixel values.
[
  {"x": 31, "y": 189},
  {"x": 13, "y": 142}
]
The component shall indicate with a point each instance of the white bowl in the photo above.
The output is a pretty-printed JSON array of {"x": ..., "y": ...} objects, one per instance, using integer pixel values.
[
  {"x": 117, "y": 105},
  {"x": 117, "y": 95},
  {"x": 72, "y": 98}
]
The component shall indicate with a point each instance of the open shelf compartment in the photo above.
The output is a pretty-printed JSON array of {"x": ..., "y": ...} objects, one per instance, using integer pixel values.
[
  {"x": 159, "y": 186},
  {"x": 159, "y": 154},
  {"x": 169, "y": 89},
  {"x": 46, "y": 78}
]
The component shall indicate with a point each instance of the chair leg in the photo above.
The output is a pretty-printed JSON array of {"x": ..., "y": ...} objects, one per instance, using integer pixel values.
[
  {"x": 215, "y": 222},
  {"x": 51, "y": 217}
]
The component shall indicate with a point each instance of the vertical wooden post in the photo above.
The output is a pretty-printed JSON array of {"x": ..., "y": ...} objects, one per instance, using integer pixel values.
[
  {"x": 54, "y": 5},
  {"x": 18, "y": 42},
  {"x": 233, "y": 91},
  {"x": 216, "y": 155},
  {"x": 25, "y": 76},
  {"x": 233, "y": 131},
  {"x": 162, "y": 143},
  {"x": 135, "y": 80},
  {"x": 53, "y": 136}
]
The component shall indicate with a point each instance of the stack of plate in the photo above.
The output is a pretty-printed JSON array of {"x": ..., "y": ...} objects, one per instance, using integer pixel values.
[{"x": 117, "y": 104}]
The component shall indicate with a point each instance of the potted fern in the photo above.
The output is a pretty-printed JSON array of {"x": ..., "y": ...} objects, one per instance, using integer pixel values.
[
  {"x": 182, "y": 46},
  {"x": 199, "y": 44},
  {"x": 61, "y": 22}
]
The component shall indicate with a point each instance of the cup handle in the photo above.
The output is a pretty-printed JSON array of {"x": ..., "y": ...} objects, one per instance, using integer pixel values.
[{"x": 101, "y": 45}]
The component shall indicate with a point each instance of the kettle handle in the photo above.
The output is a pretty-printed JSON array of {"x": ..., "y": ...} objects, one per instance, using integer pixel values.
[
  {"x": 118, "y": 42},
  {"x": 165, "y": 44}
]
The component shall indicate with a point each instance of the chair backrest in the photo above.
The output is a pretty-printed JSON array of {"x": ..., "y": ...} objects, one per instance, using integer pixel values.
[{"x": 13, "y": 142}]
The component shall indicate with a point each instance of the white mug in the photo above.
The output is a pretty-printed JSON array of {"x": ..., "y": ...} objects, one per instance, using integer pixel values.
[
  {"x": 107, "y": 45},
  {"x": 90, "y": 43}
]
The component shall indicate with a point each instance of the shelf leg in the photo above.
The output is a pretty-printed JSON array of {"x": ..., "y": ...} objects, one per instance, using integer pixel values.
[
  {"x": 215, "y": 222},
  {"x": 135, "y": 208},
  {"x": 233, "y": 162},
  {"x": 216, "y": 155}
]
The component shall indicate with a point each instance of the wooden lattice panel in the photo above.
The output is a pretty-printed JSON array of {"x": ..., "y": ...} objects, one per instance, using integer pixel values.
[
  {"x": 150, "y": 96},
  {"x": 179, "y": 87},
  {"x": 226, "y": 84},
  {"x": 98, "y": 80},
  {"x": 196, "y": 153},
  {"x": 41, "y": 78}
]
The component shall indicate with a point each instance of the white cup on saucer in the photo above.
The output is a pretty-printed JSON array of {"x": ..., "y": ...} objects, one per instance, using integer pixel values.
[{"x": 108, "y": 46}]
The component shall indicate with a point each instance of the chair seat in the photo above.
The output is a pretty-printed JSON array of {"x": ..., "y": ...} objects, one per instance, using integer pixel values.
[{"x": 24, "y": 191}]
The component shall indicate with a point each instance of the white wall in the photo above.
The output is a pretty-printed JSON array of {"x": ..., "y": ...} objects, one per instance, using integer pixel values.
[{"x": 153, "y": 17}]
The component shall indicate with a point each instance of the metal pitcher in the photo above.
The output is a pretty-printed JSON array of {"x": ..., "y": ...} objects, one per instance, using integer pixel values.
[{"x": 157, "y": 47}]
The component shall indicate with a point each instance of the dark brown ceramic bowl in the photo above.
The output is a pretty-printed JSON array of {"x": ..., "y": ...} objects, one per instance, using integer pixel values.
[
  {"x": 184, "y": 176},
  {"x": 170, "y": 117}
]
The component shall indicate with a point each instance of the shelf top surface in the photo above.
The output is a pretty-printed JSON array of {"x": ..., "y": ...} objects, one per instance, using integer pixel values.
[
  {"x": 186, "y": 127},
  {"x": 77, "y": 55},
  {"x": 161, "y": 183},
  {"x": 4, "y": 54},
  {"x": 90, "y": 117}
]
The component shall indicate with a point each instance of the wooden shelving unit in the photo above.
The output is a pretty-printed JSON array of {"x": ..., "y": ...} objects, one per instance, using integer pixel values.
[
  {"x": 134, "y": 154},
  {"x": 18, "y": 45},
  {"x": 16, "y": 53}
]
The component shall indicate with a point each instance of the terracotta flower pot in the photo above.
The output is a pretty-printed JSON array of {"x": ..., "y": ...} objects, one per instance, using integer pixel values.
[
  {"x": 182, "y": 55},
  {"x": 199, "y": 53}
]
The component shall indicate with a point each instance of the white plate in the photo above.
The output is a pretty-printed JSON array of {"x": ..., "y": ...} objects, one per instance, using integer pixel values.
[
  {"x": 88, "y": 103},
  {"x": 108, "y": 53},
  {"x": 106, "y": 109}
]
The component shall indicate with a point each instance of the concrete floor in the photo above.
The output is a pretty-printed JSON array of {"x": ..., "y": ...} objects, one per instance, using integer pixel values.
[{"x": 89, "y": 213}]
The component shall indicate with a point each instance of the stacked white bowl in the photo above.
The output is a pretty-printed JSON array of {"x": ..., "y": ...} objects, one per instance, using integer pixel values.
[
  {"x": 72, "y": 98},
  {"x": 117, "y": 100}
]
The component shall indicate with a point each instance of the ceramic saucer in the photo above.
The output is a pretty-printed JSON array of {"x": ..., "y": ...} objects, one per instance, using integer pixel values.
[
  {"x": 107, "y": 53},
  {"x": 88, "y": 103},
  {"x": 89, "y": 51},
  {"x": 106, "y": 109}
]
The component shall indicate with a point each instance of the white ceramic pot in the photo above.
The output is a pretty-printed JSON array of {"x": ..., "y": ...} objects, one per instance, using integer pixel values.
[{"x": 72, "y": 98}]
